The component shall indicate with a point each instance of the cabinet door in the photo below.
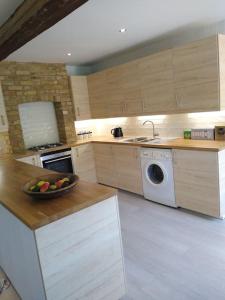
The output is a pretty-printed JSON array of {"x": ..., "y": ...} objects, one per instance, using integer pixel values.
[
  {"x": 3, "y": 117},
  {"x": 157, "y": 86},
  {"x": 31, "y": 160},
  {"x": 97, "y": 89},
  {"x": 128, "y": 168},
  {"x": 84, "y": 163},
  {"x": 196, "y": 76},
  {"x": 124, "y": 94},
  {"x": 197, "y": 181},
  {"x": 114, "y": 94},
  {"x": 80, "y": 97},
  {"x": 105, "y": 165},
  {"x": 130, "y": 81}
]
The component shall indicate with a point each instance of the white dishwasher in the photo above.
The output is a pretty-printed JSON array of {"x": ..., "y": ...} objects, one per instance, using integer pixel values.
[{"x": 157, "y": 175}]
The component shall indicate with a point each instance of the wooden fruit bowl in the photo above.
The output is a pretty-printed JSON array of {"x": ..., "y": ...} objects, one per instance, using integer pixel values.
[{"x": 73, "y": 180}]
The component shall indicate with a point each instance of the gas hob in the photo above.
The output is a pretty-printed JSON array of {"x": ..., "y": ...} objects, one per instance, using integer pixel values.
[{"x": 46, "y": 146}]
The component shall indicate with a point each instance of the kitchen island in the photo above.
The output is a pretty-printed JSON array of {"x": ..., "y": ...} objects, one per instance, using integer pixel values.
[{"x": 65, "y": 248}]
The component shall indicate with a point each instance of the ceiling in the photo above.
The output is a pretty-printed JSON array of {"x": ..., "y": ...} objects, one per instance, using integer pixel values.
[
  {"x": 7, "y": 7},
  {"x": 92, "y": 31}
]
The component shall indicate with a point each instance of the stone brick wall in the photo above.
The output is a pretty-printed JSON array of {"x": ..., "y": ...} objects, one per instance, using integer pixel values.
[
  {"x": 27, "y": 82},
  {"x": 5, "y": 147}
]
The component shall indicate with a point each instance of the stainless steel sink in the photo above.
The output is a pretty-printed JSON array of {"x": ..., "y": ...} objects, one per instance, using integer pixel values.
[
  {"x": 141, "y": 139},
  {"x": 147, "y": 140}
]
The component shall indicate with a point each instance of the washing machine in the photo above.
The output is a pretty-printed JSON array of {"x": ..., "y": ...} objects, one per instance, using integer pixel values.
[{"x": 157, "y": 175}]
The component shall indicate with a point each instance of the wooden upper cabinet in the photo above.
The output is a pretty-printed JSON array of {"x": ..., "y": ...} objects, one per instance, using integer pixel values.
[
  {"x": 97, "y": 89},
  {"x": 115, "y": 92},
  {"x": 130, "y": 81},
  {"x": 157, "y": 86},
  {"x": 80, "y": 97},
  {"x": 196, "y": 76},
  {"x": 123, "y": 90},
  {"x": 3, "y": 117},
  {"x": 221, "y": 45},
  {"x": 190, "y": 78}
]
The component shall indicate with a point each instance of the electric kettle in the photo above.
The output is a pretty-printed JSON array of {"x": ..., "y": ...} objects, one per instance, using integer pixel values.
[{"x": 117, "y": 132}]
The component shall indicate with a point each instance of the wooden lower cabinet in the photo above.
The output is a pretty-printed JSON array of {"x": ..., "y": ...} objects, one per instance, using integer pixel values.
[
  {"x": 128, "y": 168},
  {"x": 31, "y": 160},
  {"x": 105, "y": 165},
  {"x": 84, "y": 162},
  {"x": 197, "y": 176},
  {"x": 119, "y": 166}
]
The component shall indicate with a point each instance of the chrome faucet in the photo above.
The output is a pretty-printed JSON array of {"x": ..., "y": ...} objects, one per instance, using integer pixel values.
[{"x": 153, "y": 128}]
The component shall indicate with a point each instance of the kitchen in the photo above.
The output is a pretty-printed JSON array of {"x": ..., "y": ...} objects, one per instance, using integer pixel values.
[{"x": 120, "y": 124}]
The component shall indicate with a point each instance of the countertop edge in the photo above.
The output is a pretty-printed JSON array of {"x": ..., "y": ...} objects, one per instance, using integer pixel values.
[
  {"x": 48, "y": 220},
  {"x": 105, "y": 140}
]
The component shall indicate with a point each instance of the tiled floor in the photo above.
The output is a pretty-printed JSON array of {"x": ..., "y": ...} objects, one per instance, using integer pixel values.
[{"x": 169, "y": 253}]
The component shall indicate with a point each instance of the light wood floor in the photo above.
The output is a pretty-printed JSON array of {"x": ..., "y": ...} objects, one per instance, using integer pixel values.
[{"x": 169, "y": 253}]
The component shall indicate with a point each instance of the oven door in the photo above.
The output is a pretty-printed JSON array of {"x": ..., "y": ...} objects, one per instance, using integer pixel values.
[{"x": 62, "y": 164}]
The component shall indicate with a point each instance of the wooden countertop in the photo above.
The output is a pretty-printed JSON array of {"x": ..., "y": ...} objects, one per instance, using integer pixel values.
[
  {"x": 176, "y": 143},
  {"x": 37, "y": 213}
]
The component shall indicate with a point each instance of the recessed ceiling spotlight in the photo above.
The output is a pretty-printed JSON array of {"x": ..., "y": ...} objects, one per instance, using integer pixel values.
[
  {"x": 122, "y": 30},
  {"x": 69, "y": 54}
]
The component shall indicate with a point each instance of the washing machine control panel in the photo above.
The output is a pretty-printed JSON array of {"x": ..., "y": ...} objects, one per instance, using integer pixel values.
[{"x": 157, "y": 154}]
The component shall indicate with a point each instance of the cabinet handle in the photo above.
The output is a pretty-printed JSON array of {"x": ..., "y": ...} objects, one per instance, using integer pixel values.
[
  {"x": 136, "y": 154},
  {"x": 122, "y": 107},
  {"x": 177, "y": 100},
  {"x": 77, "y": 152},
  {"x": 143, "y": 106},
  {"x": 174, "y": 157},
  {"x": 125, "y": 107},
  {"x": 78, "y": 111},
  {"x": 2, "y": 120}
]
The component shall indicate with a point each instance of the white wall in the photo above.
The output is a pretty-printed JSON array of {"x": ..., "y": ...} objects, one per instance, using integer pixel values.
[
  {"x": 172, "y": 39},
  {"x": 166, "y": 125},
  {"x": 169, "y": 40}
]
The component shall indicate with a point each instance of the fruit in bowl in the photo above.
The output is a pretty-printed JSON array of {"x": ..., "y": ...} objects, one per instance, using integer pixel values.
[
  {"x": 47, "y": 186},
  {"x": 50, "y": 185}
]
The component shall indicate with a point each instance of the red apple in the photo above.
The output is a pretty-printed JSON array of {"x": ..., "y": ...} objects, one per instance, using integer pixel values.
[{"x": 44, "y": 187}]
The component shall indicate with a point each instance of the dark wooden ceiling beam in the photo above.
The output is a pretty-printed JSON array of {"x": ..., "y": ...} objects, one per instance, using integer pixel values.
[{"x": 30, "y": 19}]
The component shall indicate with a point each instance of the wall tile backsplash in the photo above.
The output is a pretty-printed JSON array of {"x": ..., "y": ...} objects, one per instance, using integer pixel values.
[
  {"x": 166, "y": 125},
  {"x": 5, "y": 147},
  {"x": 38, "y": 121}
]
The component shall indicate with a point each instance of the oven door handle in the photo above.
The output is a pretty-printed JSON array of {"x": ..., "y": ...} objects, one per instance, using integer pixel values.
[{"x": 57, "y": 159}]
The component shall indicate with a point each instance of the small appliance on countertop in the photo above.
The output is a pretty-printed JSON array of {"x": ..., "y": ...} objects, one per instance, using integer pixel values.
[
  {"x": 117, "y": 132},
  {"x": 203, "y": 134},
  {"x": 220, "y": 133}
]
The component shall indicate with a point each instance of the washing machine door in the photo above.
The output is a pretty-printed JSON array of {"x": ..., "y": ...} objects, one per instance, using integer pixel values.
[{"x": 156, "y": 174}]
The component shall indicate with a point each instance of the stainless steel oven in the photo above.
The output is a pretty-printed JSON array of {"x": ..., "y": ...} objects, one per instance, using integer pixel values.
[{"x": 58, "y": 160}]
